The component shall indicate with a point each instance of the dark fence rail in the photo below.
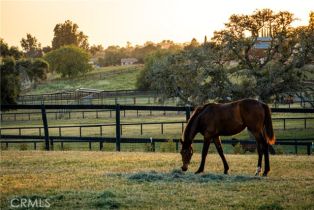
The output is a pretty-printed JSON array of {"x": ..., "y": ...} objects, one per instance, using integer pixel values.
[
  {"x": 141, "y": 125},
  {"x": 118, "y": 108},
  {"x": 64, "y": 114},
  {"x": 13, "y": 139}
]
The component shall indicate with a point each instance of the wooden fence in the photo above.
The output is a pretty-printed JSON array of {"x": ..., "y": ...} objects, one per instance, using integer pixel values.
[
  {"x": 49, "y": 140},
  {"x": 84, "y": 95}
]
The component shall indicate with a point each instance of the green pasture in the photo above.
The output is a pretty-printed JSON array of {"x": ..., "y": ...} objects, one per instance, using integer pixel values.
[
  {"x": 107, "y": 78},
  {"x": 145, "y": 180}
]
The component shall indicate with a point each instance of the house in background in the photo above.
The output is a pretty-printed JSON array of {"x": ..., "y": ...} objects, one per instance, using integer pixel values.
[
  {"x": 262, "y": 44},
  {"x": 128, "y": 61}
]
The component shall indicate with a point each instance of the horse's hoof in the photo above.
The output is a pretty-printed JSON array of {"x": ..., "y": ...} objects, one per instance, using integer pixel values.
[
  {"x": 258, "y": 171},
  {"x": 198, "y": 172},
  {"x": 264, "y": 174},
  {"x": 226, "y": 173}
]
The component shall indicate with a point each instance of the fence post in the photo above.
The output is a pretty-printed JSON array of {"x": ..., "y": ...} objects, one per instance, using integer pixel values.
[
  {"x": 152, "y": 142},
  {"x": 187, "y": 112},
  {"x": 118, "y": 134},
  {"x": 101, "y": 145},
  {"x": 177, "y": 146},
  {"x": 309, "y": 148},
  {"x": 141, "y": 128},
  {"x": 45, "y": 124},
  {"x": 51, "y": 143}
]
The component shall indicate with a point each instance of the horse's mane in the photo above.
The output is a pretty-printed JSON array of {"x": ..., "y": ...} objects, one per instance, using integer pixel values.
[{"x": 190, "y": 126}]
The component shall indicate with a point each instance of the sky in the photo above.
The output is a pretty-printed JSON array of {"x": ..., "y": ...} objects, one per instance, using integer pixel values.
[{"x": 116, "y": 22}]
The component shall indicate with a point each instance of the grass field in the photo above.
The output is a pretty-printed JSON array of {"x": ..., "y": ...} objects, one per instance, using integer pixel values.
[
  {"x": 107, "y": 78},
  {"x": 106, "y": 180}
]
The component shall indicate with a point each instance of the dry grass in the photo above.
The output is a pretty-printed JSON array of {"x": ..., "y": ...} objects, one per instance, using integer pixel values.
[{"x": 102, "y": 180}]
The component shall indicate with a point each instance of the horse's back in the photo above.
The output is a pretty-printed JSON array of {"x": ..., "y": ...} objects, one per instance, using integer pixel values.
[{"x": 231, "y": 118}]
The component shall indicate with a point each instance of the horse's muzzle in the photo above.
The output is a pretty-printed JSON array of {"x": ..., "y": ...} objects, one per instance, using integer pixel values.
[{"x": 184, "y": 168}]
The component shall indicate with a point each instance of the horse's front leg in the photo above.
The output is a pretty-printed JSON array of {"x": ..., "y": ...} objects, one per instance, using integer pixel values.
[
  {"x": 204, "y": 154},
  {"x": 221, "y": 153}
]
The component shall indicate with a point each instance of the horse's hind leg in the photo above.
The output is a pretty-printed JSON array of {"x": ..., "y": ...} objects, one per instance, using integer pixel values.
[
  {"x": 221, "y": 154},
  {"x": 204, "y": 154},
  {"x": 259, "y": 141},
  {"x": 266, "y": 157},
  {"x": 260, "y": 156}
]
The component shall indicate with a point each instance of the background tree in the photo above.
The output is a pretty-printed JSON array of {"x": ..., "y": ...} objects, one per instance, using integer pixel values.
[
  {"x": 36, "y": 69},
  {"x": 272, "y": 68},
  {"x": 46, "y": 49},
  {"x": 9, "y": 51},
  {"x": 113, "y": 56},
  {"x": 10, "y": 81},
  {"x": 31, "y": 46},
  {"x": 67, "y": 34},
  {"x": 96, "y": 49},
  {"x": 193, "y": 75},
  {"x": 69, "y": 61},
  {"x": 143, "y": 81}
]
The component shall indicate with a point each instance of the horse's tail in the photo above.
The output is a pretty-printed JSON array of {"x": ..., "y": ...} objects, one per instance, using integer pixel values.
[{"x": 268, "y": 126}]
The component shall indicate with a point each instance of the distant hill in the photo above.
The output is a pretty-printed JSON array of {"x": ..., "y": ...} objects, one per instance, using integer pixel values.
[{"x": 106, "y": 78}]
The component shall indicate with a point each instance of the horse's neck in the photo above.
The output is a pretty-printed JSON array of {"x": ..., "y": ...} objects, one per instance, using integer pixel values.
[
  {"x": 188, "y": 137},
  {"x": 187, "y": 143},
  {"x": 191, "y": 128}
]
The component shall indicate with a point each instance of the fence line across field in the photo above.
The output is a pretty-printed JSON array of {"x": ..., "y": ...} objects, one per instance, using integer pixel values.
[
  {"x": 84, "y": 95},
  {"x": 308, "y": 142},
  {"x": 67, "y": 114},
  {"x": 141, "y": 126},
  {"x": 118, "y": 108}
]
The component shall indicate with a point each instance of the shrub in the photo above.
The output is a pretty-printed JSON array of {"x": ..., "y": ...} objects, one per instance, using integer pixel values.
[
  {"x": 69, "y": 61},
  {"x": 237, "y": 149},
  {"x": 278, "y": 149},
  {"x": 168, "y": 146},
  {"x": 23, "y": 146}
]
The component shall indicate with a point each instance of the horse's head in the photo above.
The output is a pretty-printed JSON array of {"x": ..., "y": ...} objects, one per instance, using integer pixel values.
[{"x": 186, "y": 154}]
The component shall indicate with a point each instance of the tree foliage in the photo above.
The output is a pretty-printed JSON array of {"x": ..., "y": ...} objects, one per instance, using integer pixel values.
[
  {"x": 274, "y": 70},
  {"x": 114, "y": 54},
  {"x": 233, "y": 65},
  {"x": 193, "y": 75},
  {"x": 67, "y": 33},
  {"x": 96, "y": 49},
  {"x": 36, "y": 69},
  {"x": 5, "y": 50},
  {"x": 10, "y": 81},
  {"x": 69, "y": 61},
  {"x": 31, "y": 46}
]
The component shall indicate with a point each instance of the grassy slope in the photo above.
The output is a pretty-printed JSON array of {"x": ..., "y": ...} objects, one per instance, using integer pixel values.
[
  {"x": 103, "y": 180},
  {"x": 108, "y": 78}
]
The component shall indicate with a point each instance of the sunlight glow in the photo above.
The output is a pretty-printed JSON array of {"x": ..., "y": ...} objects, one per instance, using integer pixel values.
[{"x": 114, "y": 22}]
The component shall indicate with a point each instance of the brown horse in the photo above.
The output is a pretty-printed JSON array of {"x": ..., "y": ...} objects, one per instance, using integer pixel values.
[{"x": 214, "y": 120}]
